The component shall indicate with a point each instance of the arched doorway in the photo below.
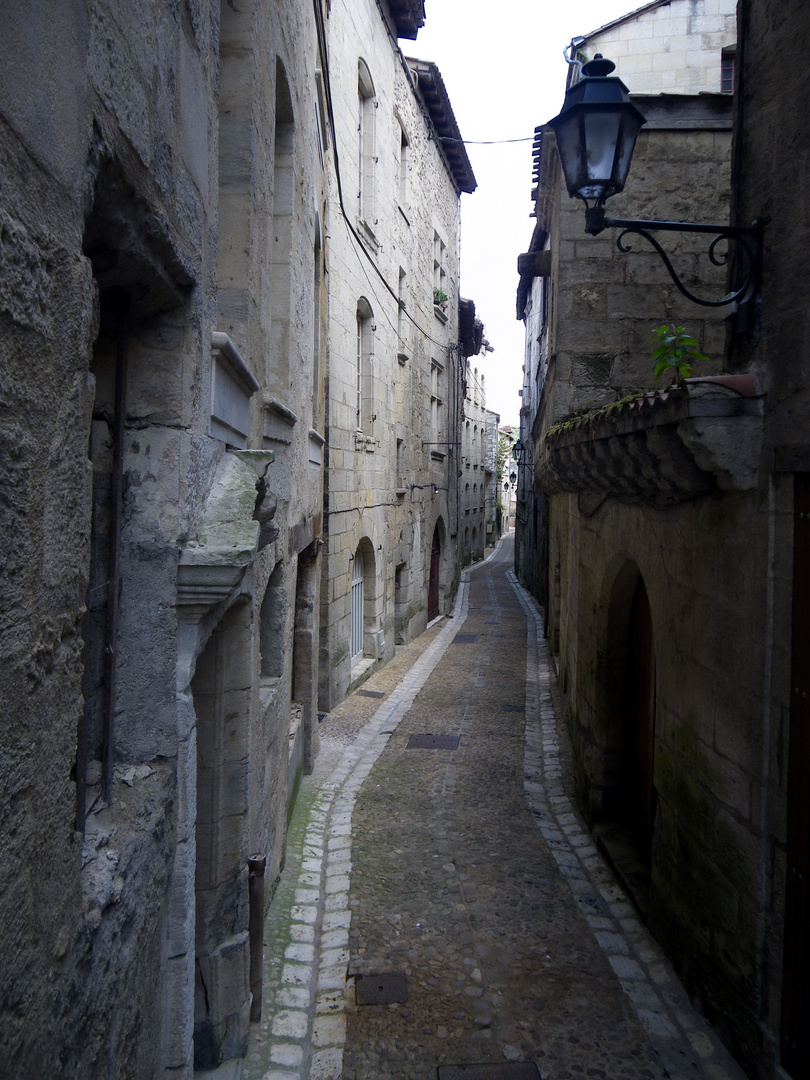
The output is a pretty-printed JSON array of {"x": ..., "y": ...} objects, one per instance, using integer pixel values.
[
  {"x": 619, "y": 785},
  {"x": 433, "y": 581},
  {"x": 356, "y": 647},
  {"x": 640, "y": 729}
]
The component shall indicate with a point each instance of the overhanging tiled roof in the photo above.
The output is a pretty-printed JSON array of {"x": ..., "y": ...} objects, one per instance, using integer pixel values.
[
  {"x": 431, "y": 88},
  {"x": 408, "y": 16},
  {"x": 470, "y": 329}
]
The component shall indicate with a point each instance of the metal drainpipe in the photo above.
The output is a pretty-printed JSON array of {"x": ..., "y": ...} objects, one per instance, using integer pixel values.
[
  {"x": 256, "y": 865},
  {"x": 113, "y": 581}
]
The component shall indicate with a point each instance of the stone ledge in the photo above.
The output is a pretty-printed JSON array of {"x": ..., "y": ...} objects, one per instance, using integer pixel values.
[{"x": 664, "y": 447}]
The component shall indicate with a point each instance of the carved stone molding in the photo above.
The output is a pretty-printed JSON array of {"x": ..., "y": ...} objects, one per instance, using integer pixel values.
[{"x": 663, "y": 448}]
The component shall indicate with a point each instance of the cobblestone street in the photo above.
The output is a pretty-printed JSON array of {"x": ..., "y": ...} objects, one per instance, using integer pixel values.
[{"x": 467, "y": 873}]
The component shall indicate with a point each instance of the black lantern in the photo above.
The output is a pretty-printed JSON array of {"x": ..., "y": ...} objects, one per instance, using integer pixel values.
[
  {"x": 518, "y": 451},
  {"x": 596, "y": 133}
]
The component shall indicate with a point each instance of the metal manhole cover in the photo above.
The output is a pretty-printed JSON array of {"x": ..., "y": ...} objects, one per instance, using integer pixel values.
[
  {"x": 380, "y": 989},
  {"x": 505, "y": 1070},
  {"x": 464, "y": 639},
  {"x": 370, "y": 693},
  {"x": 433, "y": 742}
]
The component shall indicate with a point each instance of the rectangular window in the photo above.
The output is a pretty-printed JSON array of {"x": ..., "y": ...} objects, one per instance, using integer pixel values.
[
  {"x": 436, "y": 372},
  {"x": 320, "y": 114},
  {"x": 439, "y": 269},
  {"x": 403, "y": 336},
  {"x": 359, "y": 373},
  {"x": 727, "y": 66},
  {"x": 403, "y": 171}
]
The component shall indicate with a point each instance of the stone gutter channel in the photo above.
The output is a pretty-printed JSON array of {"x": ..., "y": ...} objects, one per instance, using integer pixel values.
[{"x": 303, "y": 1032}]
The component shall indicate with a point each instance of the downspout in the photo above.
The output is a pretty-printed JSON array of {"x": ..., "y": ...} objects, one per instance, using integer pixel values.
[
  {"x": 256, "y": 865},
  {"x": 765, "y": 775}
]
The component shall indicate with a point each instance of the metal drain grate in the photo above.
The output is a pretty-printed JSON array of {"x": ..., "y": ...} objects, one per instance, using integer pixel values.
[
  {"x": 387, "y": 989},
  {"x": 505, "y": 1070},
  {"x": 433, "y": 742},
  {"x": 370, "y": 693},
  {"x": 464, "y": 639}
]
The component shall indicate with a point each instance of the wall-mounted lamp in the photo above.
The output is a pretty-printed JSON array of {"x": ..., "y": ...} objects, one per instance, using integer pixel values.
[{"x": 596, "y": 134}]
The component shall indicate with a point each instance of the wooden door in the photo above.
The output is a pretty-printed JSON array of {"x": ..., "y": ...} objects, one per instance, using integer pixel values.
[{"x": 433, "y": 583}]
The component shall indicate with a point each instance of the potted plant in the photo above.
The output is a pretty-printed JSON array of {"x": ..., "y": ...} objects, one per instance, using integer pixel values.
[
  {"x": 439, "y": 298},
  {"x": 676, "y": 353}
]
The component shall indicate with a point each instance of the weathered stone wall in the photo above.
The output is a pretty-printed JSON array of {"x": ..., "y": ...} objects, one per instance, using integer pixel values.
[
  {"x": 391, "y": 475},
  {"x": 606, "y": 304},
  {"x": 675, "y": 48},
  {"x": 87, "y": 136},
  {"x": 474, "y": 462},
  {"x": 121, "y": 159},
  {"x": 703, "y": 568},
  {"x": 717, "y": 570},
  {"x": 772, "y": 137}
]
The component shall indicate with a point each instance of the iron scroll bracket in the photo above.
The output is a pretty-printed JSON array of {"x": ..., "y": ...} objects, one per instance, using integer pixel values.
[{"x": 746, "y": 241}]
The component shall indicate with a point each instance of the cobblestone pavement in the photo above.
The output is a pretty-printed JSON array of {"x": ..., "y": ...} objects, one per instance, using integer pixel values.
[{"x": 469, "y": 872}]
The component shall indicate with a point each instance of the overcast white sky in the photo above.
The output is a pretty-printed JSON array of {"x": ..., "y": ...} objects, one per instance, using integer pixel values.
[{"x": 502, "y": 62}]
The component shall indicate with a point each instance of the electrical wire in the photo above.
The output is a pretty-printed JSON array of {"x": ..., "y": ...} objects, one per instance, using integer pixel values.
[{"x": 486, "y": 142}]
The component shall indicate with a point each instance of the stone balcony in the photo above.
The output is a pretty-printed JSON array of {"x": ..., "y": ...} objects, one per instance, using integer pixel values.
[{"x": 665, "y": 447}]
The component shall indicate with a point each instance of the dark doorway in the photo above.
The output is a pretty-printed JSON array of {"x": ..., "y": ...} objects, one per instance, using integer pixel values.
[
  {"x": 640, "y": 731},
  {"x": 795, "y": 1040},
  {"x": 433, "y": 584},
  {"x": 624, "y": 810}
]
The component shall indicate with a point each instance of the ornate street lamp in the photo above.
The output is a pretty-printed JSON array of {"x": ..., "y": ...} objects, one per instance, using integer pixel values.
[{"x": 596, "y": 133}]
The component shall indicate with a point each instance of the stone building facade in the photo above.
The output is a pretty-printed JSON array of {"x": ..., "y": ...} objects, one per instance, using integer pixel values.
[
  {"x": 178, "y": 272},
  {"x": 162, "y": 335},
  {"x": 395, "y": 381},
  {"x": 474, "y": 478},
  {"x": 675, "y": 520},
  {"x": 491, "y": 474}
]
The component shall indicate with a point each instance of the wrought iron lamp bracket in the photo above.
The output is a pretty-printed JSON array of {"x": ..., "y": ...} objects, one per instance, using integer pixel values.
[{"x": 748, "y": 239}]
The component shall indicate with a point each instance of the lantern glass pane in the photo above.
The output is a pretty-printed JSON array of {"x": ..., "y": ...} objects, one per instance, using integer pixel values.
[
  {"x": 601, "y": 133},
  {"x": 631, "y": 124},
  {"x": 569, "y": 145}
]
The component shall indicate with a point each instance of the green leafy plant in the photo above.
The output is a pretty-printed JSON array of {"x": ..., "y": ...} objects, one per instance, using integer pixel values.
[
  {"x": 677, "y": 352},
  {"x": 439, "y": 296}
]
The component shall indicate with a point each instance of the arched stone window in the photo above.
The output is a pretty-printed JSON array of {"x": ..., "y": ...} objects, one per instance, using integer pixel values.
[
  {"x": 278, "y": 375},
  {"x": 364, "y": 369},
  {"x": 367, "y": 144}
]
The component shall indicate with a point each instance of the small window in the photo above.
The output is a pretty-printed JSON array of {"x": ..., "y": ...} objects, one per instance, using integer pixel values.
[
  {"x": 364, "y": 372},
  {"x": 727, "y": 72},
  {"x": 403, "y": 170},
  {"x": 367, "y": 144},
  {"x": 439, "y": 270},
  {"x": 436, "y": 397},
  {"x": 403, "y": 328}
]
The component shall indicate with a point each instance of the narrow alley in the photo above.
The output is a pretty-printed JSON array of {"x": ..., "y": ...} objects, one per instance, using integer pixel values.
[{"x": 437, "y": 848}]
